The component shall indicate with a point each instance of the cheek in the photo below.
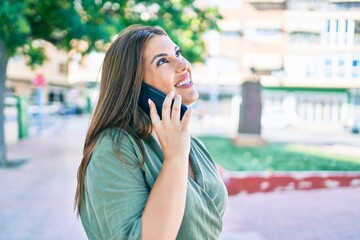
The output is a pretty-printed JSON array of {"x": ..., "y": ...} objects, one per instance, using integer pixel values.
[
  {"x": 161, "y": 80},
  {"x": 148, "y": 76},
  {"x": 165, "y": 85},
  {"x": 164, "y": 78}
]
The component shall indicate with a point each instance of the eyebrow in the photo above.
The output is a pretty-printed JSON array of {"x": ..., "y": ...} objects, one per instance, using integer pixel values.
[{"x": 162, "y": 54}]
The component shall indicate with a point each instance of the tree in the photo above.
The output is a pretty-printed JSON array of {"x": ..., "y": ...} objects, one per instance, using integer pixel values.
[{"x": 25, "y": 24}]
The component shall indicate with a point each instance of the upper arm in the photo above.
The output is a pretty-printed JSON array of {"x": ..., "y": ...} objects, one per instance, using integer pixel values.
[{"x": 116, "y": 190}]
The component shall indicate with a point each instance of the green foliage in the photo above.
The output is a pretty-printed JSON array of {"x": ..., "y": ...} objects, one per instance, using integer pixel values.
[
  {"x": 14, "y": 27},
  {"x": 34, "y": 53},
  {"x": 96, "y": 21},
  {"x": 68, "y": 24},
  {"x": 275, "y": 157}
]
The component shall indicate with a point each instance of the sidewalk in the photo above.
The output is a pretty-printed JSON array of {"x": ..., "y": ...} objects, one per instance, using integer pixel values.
[
  {"x": 36, "y": 198},
  {"x": 326, "y": 214}
]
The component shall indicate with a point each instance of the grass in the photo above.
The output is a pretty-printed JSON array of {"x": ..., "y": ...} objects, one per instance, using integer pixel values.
[{"x": 277, "y": 157}]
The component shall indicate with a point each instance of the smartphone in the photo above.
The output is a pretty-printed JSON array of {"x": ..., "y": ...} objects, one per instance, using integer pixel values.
[{"x": 157, "y": 97}]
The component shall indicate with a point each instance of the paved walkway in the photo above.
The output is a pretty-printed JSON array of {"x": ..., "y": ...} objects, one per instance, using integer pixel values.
[
  {"x": 36, "y": 198},
  {"x": 301, "y": 215}
]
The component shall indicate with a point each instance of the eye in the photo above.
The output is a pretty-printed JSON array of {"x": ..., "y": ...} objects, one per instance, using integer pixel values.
[
  {"x": 161, "y": 61},
  {"x": 178, "y": 53}
]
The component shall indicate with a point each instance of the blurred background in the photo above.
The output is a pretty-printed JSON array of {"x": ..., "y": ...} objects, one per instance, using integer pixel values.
[
  {"x": 305, "y": 52},
  {"x": 279, "y": 108}
]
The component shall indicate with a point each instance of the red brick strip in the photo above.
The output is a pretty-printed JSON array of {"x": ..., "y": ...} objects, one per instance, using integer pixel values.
[{"x": 287, "y": 181}]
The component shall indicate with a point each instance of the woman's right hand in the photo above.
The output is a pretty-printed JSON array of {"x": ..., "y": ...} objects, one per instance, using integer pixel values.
[
  {"x": 173, "y": 134},
  {"x": 165, "y": 206}
]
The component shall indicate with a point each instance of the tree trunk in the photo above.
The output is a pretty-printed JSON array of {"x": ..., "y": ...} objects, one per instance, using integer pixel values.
[
  {"x": 249, "y": 131},
  {"x": 3, "y": 65},
  {"x": 250, "y": 109}
]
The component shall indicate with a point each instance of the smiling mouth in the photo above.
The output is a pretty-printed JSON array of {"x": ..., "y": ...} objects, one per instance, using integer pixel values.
[{"x": 184, "y": 82}]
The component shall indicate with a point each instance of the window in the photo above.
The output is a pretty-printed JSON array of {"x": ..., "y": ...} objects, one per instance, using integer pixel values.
[
  {"x": 355, "y": 63},
  {"x": 311, "y": 70},
  {"x": 341, "y": 69},
  {"x": 357, "y": 26},
  {"x": 328, "y": 68},
  {"x": 231, "y": 33},
  {"x": 263, "y": 35},
  {"x": 357, "y": 32},
  {"x": 304, "y": 37},
  {"x": 63, "y": 68},
  {"x": 268, "y": 32},
  {"x": 355, "y": 68},
  {"x": 346, "y": 26},
  {"x": 337, "y": 25}
]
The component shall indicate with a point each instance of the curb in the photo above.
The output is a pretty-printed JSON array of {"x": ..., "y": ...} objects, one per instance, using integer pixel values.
[{"x": 251, "y": 182}]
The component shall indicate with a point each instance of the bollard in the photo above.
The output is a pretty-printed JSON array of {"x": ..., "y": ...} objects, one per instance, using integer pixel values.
[
  {"x": 88, "y": 105},
  {"x": 23, "y": 117}
]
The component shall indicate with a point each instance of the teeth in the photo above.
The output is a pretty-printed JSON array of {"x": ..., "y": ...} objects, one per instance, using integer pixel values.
[{"x": 186, "y": 81}]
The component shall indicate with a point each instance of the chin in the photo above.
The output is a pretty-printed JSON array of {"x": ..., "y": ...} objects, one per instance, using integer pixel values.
[{"x": 191, "y": 99}]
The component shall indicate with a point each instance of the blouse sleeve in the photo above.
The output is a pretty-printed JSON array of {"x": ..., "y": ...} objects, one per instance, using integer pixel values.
[{"x": 116, "y": 191}]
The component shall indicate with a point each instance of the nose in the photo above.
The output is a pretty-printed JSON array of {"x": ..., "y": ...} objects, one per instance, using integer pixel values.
[{"x": 182, "y": 65}]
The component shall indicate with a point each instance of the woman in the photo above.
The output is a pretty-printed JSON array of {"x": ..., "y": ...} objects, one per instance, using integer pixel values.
[{"x": 141, "y": 177}]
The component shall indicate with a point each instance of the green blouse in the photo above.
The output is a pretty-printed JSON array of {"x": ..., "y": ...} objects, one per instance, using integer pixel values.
[{"x": 117, "y": 188}]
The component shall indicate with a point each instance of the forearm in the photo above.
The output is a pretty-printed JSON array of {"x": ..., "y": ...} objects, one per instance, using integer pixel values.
[{"x": 165, "y": 206}]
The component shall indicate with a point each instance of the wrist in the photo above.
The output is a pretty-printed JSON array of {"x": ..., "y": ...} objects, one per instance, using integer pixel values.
[{"x": 176, "y": 163}]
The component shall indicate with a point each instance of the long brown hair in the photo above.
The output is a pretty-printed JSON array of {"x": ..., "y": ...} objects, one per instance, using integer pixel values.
[{"x": 117, "y": 106}]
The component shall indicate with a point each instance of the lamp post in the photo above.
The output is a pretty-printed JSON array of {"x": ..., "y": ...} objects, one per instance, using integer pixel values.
[{"x": 39, "y": 83}]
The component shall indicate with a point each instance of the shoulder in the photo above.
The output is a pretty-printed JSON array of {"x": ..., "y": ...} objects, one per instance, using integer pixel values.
[
  {"x": 198, "y": 143},
  {"x": 117, "y": 143},
  {"x": 200, "y": 148}
]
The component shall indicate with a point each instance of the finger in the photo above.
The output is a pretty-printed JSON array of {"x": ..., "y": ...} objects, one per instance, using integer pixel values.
[
  {"x": 186, "y": 119},
  {"x": 175, "y": 112},
  {"x": 155, "y": 119},
  {"x": 167, "y": 106}
]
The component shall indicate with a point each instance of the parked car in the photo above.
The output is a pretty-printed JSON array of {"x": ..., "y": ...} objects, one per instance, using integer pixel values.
[{"x": 355, "y": 128}]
